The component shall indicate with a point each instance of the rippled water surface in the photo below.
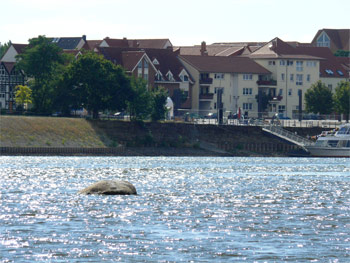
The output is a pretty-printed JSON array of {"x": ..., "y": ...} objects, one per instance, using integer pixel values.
[{"x": 187, "y": 209}]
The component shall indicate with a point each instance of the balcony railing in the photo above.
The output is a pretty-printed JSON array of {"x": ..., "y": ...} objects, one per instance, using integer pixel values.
[
  {"x": 275, "y": 99},
  {"x": 206, "y": 96},
  {"x": 206, "y": 81},
  {"x": 271, "y": 82}
]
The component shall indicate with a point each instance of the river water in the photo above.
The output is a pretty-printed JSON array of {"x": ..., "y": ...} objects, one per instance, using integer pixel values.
[{"x": 188, "y": 209}]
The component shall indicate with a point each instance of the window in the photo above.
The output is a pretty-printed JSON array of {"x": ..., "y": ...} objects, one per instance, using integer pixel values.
[
  {"x": 145, "y": 64},
  {"x": 170, "y": 76},
  {"x": 311, "y": 63},
  {"x": 290, "y": 92},
  {"x": 158, "y": 76},
  {"x": 299, "y": 79},
  {"x": 282, "y": 76},
  {"x": 329, "y": 72},
  {"x": 308, "y": 78},
  {"x": 330, "y": 86},
  {"x": 247, "y": 76},
  {"x": 280, "y": 93},
  {"x": 281, "y": 108},
  {"x": 282, "y": 62},
  {"x": 185, "y": 78},
  {"x": 219, "y": 75},
  {"x": 290, "y": 62},
  {"x": 139, "y": 65},
  {"x": 323, "y": 41},
  {"x": 155, "y": 62},
  {"x": 247, "y": 106},
  {"x": 247, "y": 91},
  {"x": 271, "y": 63},
  {"x": 299, "y": 65},
  {"x": 291, "y": 77},
  {"x": 340, "y": 73}
]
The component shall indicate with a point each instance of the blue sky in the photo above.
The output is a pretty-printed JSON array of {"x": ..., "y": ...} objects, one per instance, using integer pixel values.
[{"x": 184, "y": 22}]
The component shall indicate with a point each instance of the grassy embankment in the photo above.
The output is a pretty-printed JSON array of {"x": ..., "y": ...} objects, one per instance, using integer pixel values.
[{"x": 18, "y": 131}]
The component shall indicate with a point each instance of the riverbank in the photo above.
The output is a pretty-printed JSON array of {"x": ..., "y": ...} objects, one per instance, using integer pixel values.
[{"x": 72, "y": 136}]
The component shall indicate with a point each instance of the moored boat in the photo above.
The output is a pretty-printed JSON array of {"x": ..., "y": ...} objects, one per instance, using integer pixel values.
[{"x": 335, "y": 143}]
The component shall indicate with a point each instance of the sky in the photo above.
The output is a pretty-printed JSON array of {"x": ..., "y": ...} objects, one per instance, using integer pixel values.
[{"x": 184, "y": 22}]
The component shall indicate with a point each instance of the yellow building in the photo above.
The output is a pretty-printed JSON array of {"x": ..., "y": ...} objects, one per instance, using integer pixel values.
[{"x": 224, "y": 84}]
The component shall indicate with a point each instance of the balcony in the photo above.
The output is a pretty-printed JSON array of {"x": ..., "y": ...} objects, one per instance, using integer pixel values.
[
  {"x": 270, "y": 82},
  {"x": 275, "y": 99},
  {"x": 206, "y": 81},
  {"x": 206, "y": 96}
]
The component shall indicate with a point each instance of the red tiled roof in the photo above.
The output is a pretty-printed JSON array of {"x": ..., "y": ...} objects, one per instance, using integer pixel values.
[
  {"x": 137, "y": 43},
  {"x": 340, "y": 37},
  {"x": 280, "y": 49},
  {"x": 91, "y": 44},
  {"x": 329, "y": 61},
  {"x": 131, "y": 58},
  {"x": 117, "y": 42},
  {"x": 213, "y": 50},
  {"x": 166, "y": 57},
  {"x": 149, "y": 43},
  {"x": 225, "y": 64},
  {"x": 19, "y": 47}
]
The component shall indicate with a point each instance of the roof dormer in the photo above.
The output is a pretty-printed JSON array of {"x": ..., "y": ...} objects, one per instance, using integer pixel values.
[
  {"x": 155, "y": 61},
  {"x": 170, "y": 76}
]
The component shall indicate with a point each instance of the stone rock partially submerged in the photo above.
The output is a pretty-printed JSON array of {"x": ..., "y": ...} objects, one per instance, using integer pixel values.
[{"x": 110, "y": 187}]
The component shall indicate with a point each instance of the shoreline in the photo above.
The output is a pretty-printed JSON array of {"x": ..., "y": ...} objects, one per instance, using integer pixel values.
[{"x": 131, "y": 151}]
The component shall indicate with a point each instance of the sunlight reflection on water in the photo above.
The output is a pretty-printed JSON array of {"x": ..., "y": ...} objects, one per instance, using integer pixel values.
[{"x": 187, "y": 209}]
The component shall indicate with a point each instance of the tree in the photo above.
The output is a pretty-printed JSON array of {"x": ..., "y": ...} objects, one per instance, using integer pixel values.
[
  {"x": 264, "y": 100},
  {"x": 140, "y": 103},
  {"x": 4, "y": 48},
  {"x": 23, "y": 95},
  {"x": 42, "y": 61},
  {"x": 319, "y": 99},
  {"x": 96, "y": 84},
  {"x": 342, "y": 98},
  {"x": 342, "y": 53},
  {"x": 159, "y": 110}
]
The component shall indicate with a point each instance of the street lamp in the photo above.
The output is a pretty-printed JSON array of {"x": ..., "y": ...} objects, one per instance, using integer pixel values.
[{"x": 236, "y": 99}]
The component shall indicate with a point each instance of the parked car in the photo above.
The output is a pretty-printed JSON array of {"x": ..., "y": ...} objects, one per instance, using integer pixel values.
[
  {"x": 233, "y": 116},
  {"x": 282, "y": 117},
  {"x": 311, "y": 117},
  {"x": 211, "y": 115}
]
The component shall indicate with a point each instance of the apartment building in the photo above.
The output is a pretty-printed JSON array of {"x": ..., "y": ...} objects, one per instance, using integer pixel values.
[
  {"x": 224, "y": 84},
  {"x": 294, "y": 70}
]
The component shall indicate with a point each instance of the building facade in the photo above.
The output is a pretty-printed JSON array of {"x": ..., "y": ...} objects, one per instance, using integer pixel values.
[
  {"x": 223, "y": 85},
  {"x": 10, "y": 77}
]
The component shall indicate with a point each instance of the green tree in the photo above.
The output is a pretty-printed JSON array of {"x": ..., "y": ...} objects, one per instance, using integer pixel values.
[
  {"x": 264, "y": 100},
  {"x": 4, "y": 48},
  {"x": 342, "y": 53},
  {"x": 342, "y": 98},
  {"x": 23, "y": 95},
  {"x": 42, "y": 61},
  {"x": 140, "y": 103},
  {"x": 96, "y": 84},
  {"x": 319, "y": 99},
  {"x": 159, "y": 100}
]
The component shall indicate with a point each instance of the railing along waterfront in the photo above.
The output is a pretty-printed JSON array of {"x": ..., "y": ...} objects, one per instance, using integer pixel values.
[{"x": 290, "y": 136}]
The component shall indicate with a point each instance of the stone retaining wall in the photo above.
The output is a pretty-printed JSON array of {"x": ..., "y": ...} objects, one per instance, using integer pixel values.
[{"x": 60, "y": 151}]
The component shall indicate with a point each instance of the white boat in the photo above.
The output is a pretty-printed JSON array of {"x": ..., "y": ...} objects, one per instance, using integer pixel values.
[{"x": 334, "y": 143}]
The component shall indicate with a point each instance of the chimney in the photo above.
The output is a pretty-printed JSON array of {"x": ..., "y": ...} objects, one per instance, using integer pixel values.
[{"x": 204, "y": 51}]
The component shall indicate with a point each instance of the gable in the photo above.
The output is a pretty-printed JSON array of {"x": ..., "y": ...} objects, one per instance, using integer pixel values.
[{"x": 10, "y": 55}]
